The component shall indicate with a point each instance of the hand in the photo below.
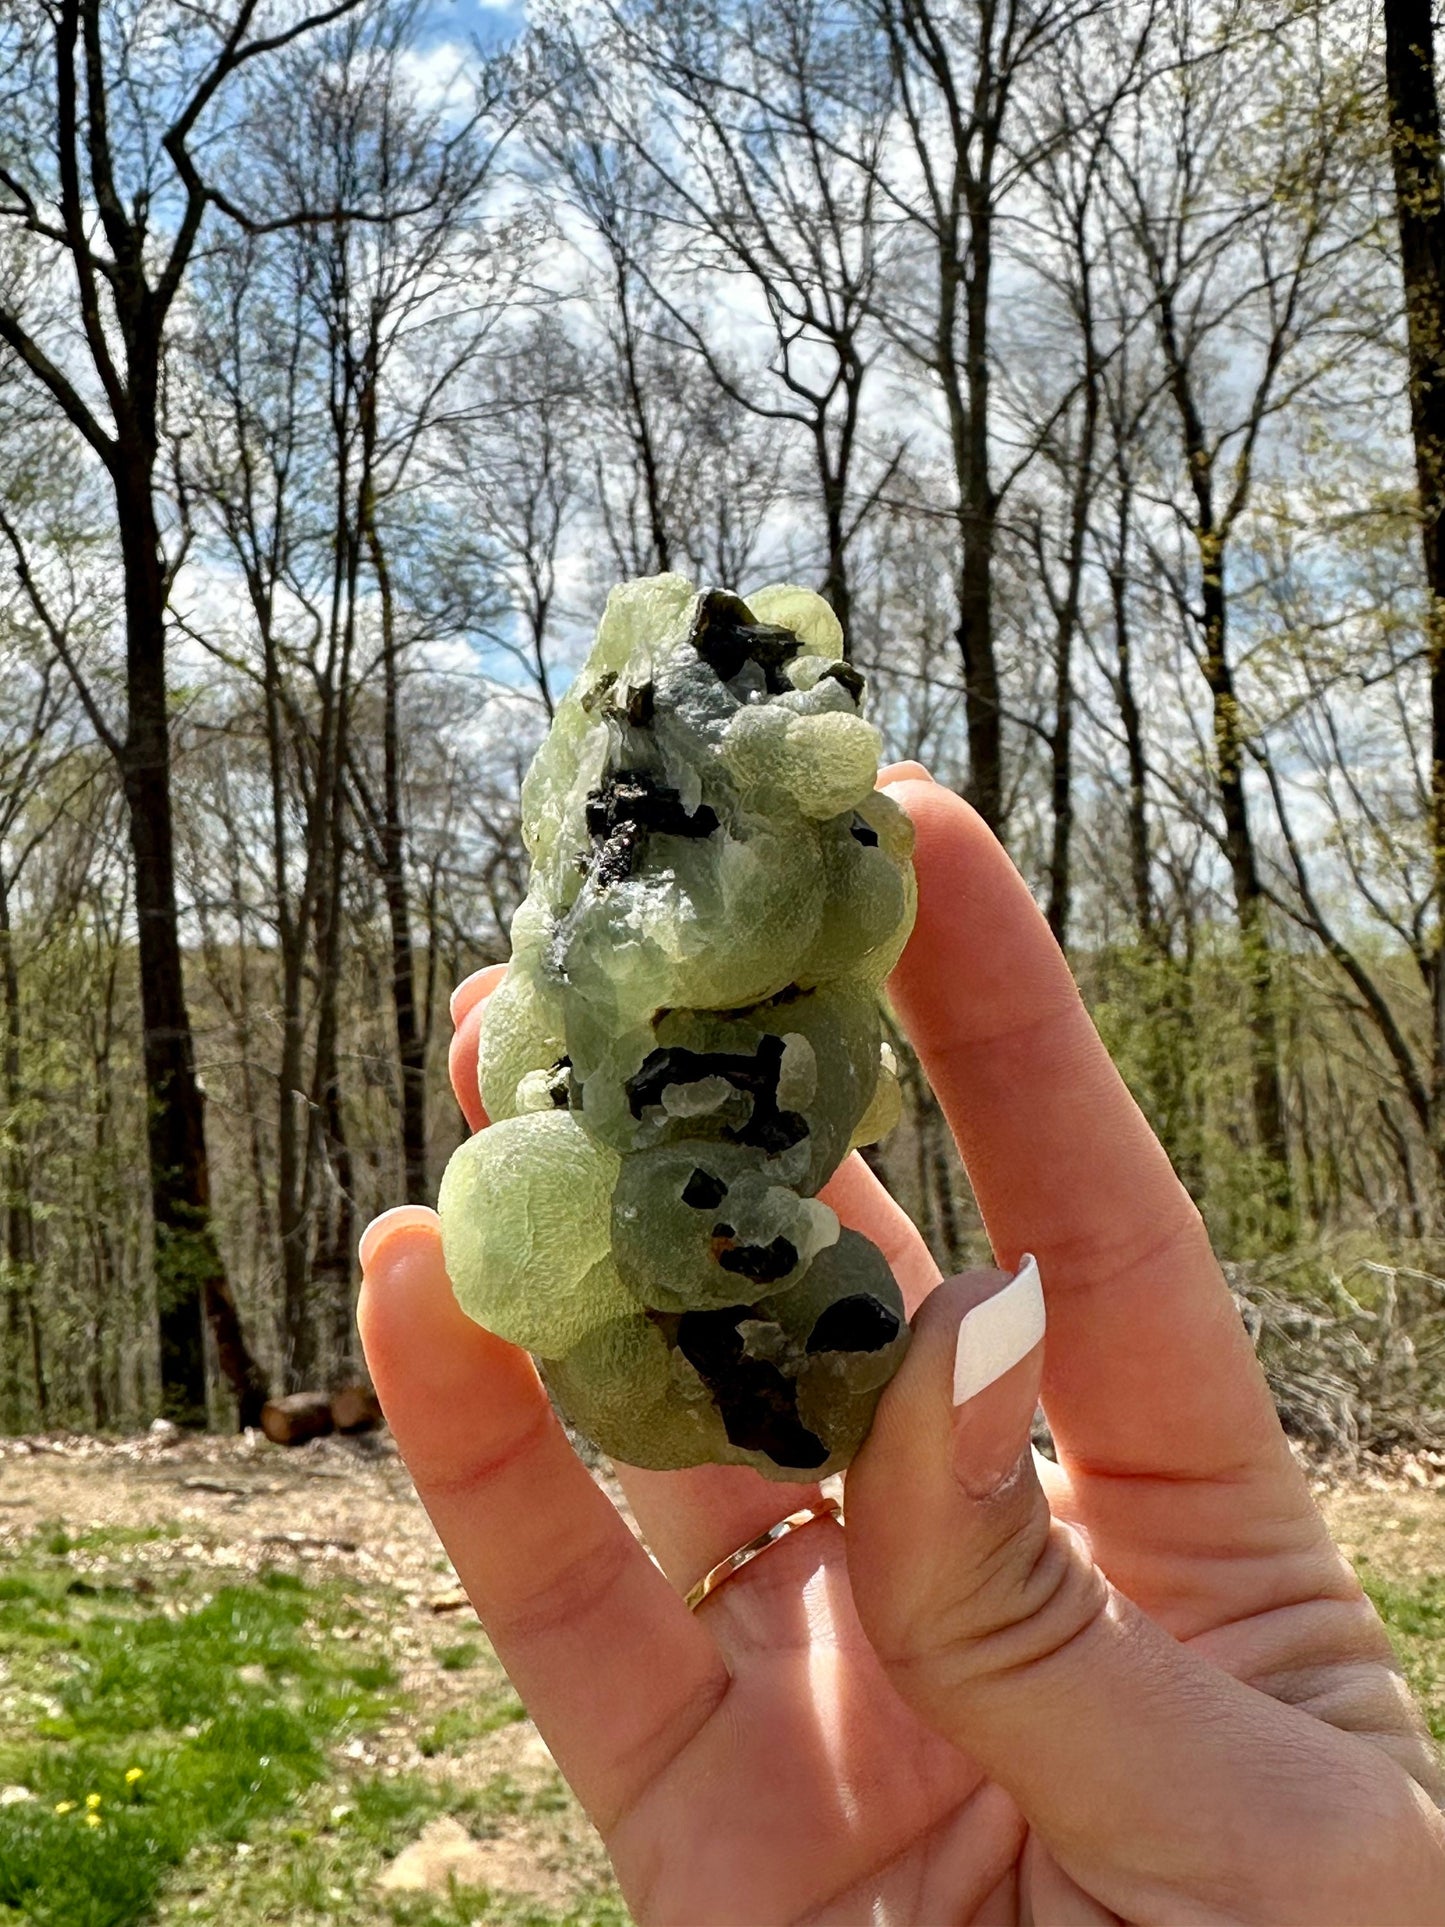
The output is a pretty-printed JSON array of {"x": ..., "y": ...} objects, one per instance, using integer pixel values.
[{"x": 1142, "y": 1685}]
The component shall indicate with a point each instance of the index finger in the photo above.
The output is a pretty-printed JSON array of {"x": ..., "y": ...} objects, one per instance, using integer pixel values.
[
  {"x": 1150, "y": 1373},
  {"x": 617, "y": 1674}
]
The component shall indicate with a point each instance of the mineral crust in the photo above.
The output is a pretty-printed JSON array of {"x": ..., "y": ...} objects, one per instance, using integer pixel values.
[{"x": 688, "y": 1042}]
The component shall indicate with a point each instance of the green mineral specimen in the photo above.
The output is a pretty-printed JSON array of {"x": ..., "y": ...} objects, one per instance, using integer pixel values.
[{"x": 688, "y": 1042}]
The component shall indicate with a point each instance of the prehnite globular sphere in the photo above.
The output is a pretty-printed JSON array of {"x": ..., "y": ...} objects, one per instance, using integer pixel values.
[{"x": 688, "y": 1041}]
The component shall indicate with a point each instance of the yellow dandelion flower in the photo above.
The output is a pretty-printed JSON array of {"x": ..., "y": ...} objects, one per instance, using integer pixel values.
[
  {"x": 65, "y": 1806},
  {"x": 134, "y": 1773},
  {"x": 92, "y": 1819},
  {"x": 92, "y": 1801}
]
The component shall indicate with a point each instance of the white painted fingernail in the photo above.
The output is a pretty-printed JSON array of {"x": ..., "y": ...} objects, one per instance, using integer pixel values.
[{"x": 995, "y": 1335}]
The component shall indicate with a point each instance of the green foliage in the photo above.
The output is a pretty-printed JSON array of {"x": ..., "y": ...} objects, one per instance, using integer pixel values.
[{"x": 1177, "y": 1027}]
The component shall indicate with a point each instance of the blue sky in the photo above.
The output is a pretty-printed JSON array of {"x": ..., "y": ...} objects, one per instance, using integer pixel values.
[{"x": 487, "y": 19}]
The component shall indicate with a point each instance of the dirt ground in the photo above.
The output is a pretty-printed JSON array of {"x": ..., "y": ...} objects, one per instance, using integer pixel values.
[
  {"x": 346, "y": 1510},
  {"x": 1397, "y": 1525},
  {"x": 337, "y": 1510}
]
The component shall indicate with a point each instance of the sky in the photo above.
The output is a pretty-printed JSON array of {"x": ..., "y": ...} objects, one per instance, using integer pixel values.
[{"x": 488, "y": 20}]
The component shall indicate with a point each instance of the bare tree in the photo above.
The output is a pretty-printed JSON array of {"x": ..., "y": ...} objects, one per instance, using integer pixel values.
[
  {"x": 514, "y": 472},
  {"x": 38, "y": 740},
  {"x": 1067, "y": 106},
  {"x": 1413, "y": 108},
  {"x": 958, "y": 69},
  {"x": 761, "y": 130},
  {"x": 364, "y": 322},
  {"x": 102, "y": 187},
  {"x": 1245, "y": 266}
]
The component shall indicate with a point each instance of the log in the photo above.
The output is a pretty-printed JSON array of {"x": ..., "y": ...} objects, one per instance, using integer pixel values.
[
  {"x": 355, "y": 1408},
  {"x": 297, "y": 1417}
]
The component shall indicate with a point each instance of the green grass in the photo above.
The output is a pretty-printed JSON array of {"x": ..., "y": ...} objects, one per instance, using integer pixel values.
[
  {"x": 58, "y": 1540},
  {"x": 320, "y": 1863},
  {"x": 229, "y": 1704},
  {"x": 459, "y": 1726},
  {"x": 459, "y": 1658},
  {"x": 183, "y": 1736},
  {"x": 1415, "y": 1615},
  {"x": 162, "y": 1720}
]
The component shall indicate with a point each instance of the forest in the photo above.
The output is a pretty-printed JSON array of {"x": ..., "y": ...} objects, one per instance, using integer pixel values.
[{"x": 1087, "y": 355}]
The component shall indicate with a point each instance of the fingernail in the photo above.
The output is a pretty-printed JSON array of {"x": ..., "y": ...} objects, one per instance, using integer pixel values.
[
  {"x": 470, "y": 991},
  {"x": 995, "y": 1335},
  {"x": 905, "y": 772},
  {"x": 994, "y": 1400},
  {"x": 380, "y": 1232}
]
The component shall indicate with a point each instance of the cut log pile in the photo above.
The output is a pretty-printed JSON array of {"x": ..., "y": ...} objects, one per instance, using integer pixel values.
[
  {"x": 355, "y": 1408},
  {"x": 300, "y": 1416}
]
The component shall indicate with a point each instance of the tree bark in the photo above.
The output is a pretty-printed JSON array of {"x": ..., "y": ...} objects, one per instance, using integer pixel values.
[
  {"x": 1065, "y": 630},
  {"x": 836, "y": 589},
  {"x": 391, "y": 831},
  {"x": 336, "y": 1245},
  {"x": 640, "y": 424},
  {"x": 1267, "y": 1096},
  {"x": 19, "y": 1219},
  {"x": 190, "y": 1278},
  {"x": 1137, "y": 807},
  {"x": 978, "y": 511},
  {"x": 1414, "y": 117},
  {"x": 330, "y": 1149}
]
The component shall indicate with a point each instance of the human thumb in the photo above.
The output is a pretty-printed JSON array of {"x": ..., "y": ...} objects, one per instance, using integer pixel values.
[{"x": 1131, "y": 1756}]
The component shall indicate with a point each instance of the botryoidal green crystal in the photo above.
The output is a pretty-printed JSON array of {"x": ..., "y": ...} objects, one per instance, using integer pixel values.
[{"x": 688, "y": 1041}]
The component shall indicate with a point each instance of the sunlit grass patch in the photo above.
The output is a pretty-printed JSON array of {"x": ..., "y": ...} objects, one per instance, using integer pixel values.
[
  {"x": 146, "y": 1723},
  {"x": 460, "y": 1725},
  {"x": 468, "y": 1906},
  {"x": 59, "y": 1539},
  {"x": 1415, "y": 1615},
  {"x": 458, "y": 1658},
  {"x": 320, "y": 1862},
  {"x": 185, "y": 1735}
]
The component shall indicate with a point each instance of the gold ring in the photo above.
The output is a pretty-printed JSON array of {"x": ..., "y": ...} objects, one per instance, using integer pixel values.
[{"x": 735, "y": 1561}]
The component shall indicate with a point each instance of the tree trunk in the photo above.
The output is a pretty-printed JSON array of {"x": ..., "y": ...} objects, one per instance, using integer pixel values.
[
  {"x": 1267, "y": 1097},
  {"x": 836, "y": 590},
  {"x": 331, "y": 1151},
  {"x": 293, "y": 1172},
  {"x": 19, "y": 1219},
  {"x": 410, "y": 1037},
  {"x": 1067, "y": 621},
  {"x": 834, "y": 465},
  {"x": 640, "y": 426},
  {"x": 1137, "y": 809},
  {"x": 977, "y": 511},
  {"x": 336, "y": 1248},
  {"x": 1414, "y": 114},
  {"x": 190, "y": 1279}
]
